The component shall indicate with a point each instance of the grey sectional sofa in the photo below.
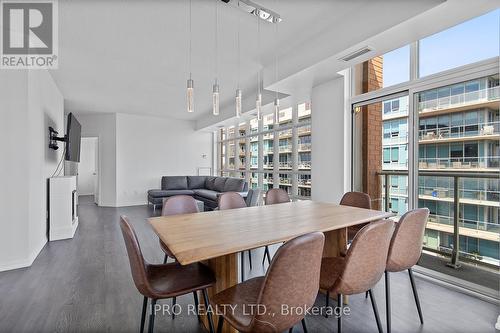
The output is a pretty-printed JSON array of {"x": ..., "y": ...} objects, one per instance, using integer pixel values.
[{"x": 203, "y": 188}]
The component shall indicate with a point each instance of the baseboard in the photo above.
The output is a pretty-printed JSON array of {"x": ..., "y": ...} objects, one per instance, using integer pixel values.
[{"x": 24, "y": 262}]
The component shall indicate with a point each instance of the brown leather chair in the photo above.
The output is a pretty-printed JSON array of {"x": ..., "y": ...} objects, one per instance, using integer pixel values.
[
  {"x": 166, "y": 280},
  {"x": 274, "y": 196},
  {"x": 176, "y": 205},
  {"x": 361, "y": 268},
  {"x": 405, "y": 250},
  {"x": 233, "y": 200},
  {"x": 292, "y": 279},
  {"x": 356, "y": 199}
]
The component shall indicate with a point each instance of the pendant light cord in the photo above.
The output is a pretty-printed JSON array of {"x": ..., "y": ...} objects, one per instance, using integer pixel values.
[
  {"x": 239, "y": 51},
  {"x": 216, "y": 39},
  {"x": 259, "y": 55},
  {"x": 190, "y": 40}
]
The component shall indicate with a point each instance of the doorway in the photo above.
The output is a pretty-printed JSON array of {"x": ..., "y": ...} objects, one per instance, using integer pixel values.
[{"x": 88, "y": 171}]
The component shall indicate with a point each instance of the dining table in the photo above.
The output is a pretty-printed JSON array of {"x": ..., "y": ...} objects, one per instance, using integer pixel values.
[{"x": 216, "y": 237}]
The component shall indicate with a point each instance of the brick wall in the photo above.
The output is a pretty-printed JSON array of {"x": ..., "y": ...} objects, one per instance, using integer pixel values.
[{"x": 372, "y": 132}]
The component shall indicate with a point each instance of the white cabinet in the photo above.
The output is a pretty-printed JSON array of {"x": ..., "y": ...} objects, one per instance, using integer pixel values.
[{"x": 63, "y": 217}]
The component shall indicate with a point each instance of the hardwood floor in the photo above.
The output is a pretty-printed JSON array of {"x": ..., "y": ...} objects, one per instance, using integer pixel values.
[{"x": 85, "y": 285}]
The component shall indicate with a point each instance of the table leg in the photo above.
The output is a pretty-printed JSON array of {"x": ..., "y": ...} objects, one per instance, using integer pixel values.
[
  {"x": 225, "y": 269},
  {"x": 335, "y": 245}
]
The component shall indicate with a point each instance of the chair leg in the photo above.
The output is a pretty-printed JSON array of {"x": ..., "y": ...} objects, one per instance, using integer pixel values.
[
  {"x": 375, "y": 311},
  {"x": 304, "y": 326},
  {"x": 174, "y": 302},
  {"x": 388, "y": 301},
  {"x": 220, "y": 324},
  {"x": 327, "y": 303},
  {"x": 266, "y": 249},
  {"x": 366, "y": 295},
  {"x": 268, "y": 256},
  {"x": 415, "y": 295},
  {"x": 242, "y": 256},
  {"x": 250, "y": 258},
  {"x": 196, "y": 304},
  {"x": 165, "y": 259},
  {"x": 209, "y": 315},
  {"x": 143, "y": 315},
  {"x": 152, "y": 316},
  {"x": 339, "y": 319},
  {"x": 290, "y": 330}
]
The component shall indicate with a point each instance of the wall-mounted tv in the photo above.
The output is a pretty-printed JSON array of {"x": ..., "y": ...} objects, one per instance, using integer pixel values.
[{"x": 73, "y": 139}]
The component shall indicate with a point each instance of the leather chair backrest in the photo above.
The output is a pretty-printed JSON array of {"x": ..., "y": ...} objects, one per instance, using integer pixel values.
[
  {"x": 276, "y": 196},
  {"x": 231, "y": 200},
  {"x": 356, "y": 199},
  {"x": 138, "y": 265},
  {"x": 292, "y": 279},
  {"x": 406, "y": 244},
  {"x": 179, "y": 204},
  {"x": 366, "y": 258}
]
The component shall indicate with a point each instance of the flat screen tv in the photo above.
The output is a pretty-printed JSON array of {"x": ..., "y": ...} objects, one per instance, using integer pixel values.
[{"x": 73, "y": 139}]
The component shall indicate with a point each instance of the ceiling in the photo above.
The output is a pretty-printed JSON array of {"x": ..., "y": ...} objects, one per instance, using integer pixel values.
[{"x": 132, "y": 56}]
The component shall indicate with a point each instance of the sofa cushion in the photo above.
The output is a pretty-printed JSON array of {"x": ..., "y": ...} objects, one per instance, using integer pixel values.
[
  {"x": 220, "y": 182},
  {"x": 196, "y": 182},
  {"x": 168, "y": 193},
  {"x": 210, "y": 183},
  {"x": 174, "y": 183},
  {"x": 209, "y": 194},
  {"x": 234, "y": 185}
]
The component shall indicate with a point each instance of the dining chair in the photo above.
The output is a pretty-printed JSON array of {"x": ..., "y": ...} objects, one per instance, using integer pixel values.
[
  {"x": 360, "y": 269},
  {"x": 405, "y": 250},
  {"x": 356, "y": 199},
  {"x": 164, "y": 280},
  {"x": 176, "y": 205},
  {"x": 233, "y": 200},
  {"x": 291, "y": 280},
  {"x": 274, "y": 196}
]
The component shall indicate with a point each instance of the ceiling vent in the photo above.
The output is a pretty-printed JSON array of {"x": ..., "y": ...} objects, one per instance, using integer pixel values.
[{"x": 356, "y": 54}]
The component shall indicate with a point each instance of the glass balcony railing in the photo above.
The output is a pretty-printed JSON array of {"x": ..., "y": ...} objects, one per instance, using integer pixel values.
[
  {"x": 304, "y": 146},
  {"x": 285, "y": 149},
  {"x": 304, "y": 165},
  {"x": 458, "y": 224},
  {"x": 285, "y": 165},
  {"x": 461, "y": 131},
  {"x": 490, "y": 162},
  {"x": 395, "y": 140},
  {"x": 473, "y": 97}
]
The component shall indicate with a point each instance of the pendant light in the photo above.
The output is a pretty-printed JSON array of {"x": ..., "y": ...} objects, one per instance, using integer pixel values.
[
  {"x": 276, "y": 99},
  {"x": 258, "y": 101},
  {"x": 215, "y": 87},
  {"x": 238, "y": 90},
  {"x": 190, "y": 82}
]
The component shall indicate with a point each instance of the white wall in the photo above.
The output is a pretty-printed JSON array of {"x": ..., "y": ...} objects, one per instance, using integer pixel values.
[
  {"x": 103, "y": 126},
  {"x": 150, "y": 147},
  {"x": 329, "y": 142},
  {"x": 29, "y": 103}
]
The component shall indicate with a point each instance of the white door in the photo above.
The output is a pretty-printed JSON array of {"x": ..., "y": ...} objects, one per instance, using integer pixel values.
[{"x": 88, "y": 168}]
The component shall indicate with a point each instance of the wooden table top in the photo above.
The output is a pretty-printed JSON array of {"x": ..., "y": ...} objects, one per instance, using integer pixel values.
[{"x": 201, "y": 236}]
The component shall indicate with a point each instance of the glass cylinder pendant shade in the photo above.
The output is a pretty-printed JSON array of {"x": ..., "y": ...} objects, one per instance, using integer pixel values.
[
  {"x": 215, "y": 99},
  {"x": 258, "y": 106},
  {"x": 277, "y": 110},
  {"x": 238, "y": 103},
  {"x": 189, "y": 95}
]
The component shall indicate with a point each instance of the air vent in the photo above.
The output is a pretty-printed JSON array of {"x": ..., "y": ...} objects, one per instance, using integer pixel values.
[{"x": 356, "y": 54}]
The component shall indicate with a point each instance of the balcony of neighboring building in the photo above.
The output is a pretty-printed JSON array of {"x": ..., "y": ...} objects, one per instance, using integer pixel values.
[
  {"x": 490, "y": 163},
  {"x": 448, "y": 102},
  {"x": 469, "y": 132}
]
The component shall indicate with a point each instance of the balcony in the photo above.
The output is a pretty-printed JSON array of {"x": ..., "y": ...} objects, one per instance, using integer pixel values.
[
  {"x": 304, "y": 165},
  {"x": 490, "y": 163},
  {"x": 478, "y": 131},
  {"x": 304, "y": 147},
  {"x": 285, "y": 149},
  {"x": 455, "y": 224},
  {"x": 460, "y": 100},
  {"x": 285, "y": 165}
]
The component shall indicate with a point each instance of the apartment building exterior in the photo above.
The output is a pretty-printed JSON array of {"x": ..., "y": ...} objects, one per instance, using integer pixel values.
[{"x": 458, "y": 131}]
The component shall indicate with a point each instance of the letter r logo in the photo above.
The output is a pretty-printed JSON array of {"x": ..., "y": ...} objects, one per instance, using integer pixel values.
[{"x": 27, "y": 28}]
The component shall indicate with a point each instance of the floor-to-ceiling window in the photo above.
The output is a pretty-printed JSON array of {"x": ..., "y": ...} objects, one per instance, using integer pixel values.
[
  {"x": 270, "y": 153},
  {"x": 436, "y": 131}
]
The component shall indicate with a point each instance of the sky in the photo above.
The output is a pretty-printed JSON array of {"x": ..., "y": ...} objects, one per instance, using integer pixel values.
[{"x": 468, "y": 42}]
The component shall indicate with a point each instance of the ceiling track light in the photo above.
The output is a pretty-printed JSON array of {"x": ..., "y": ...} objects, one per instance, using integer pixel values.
[{"x": 255, "y": 9}]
